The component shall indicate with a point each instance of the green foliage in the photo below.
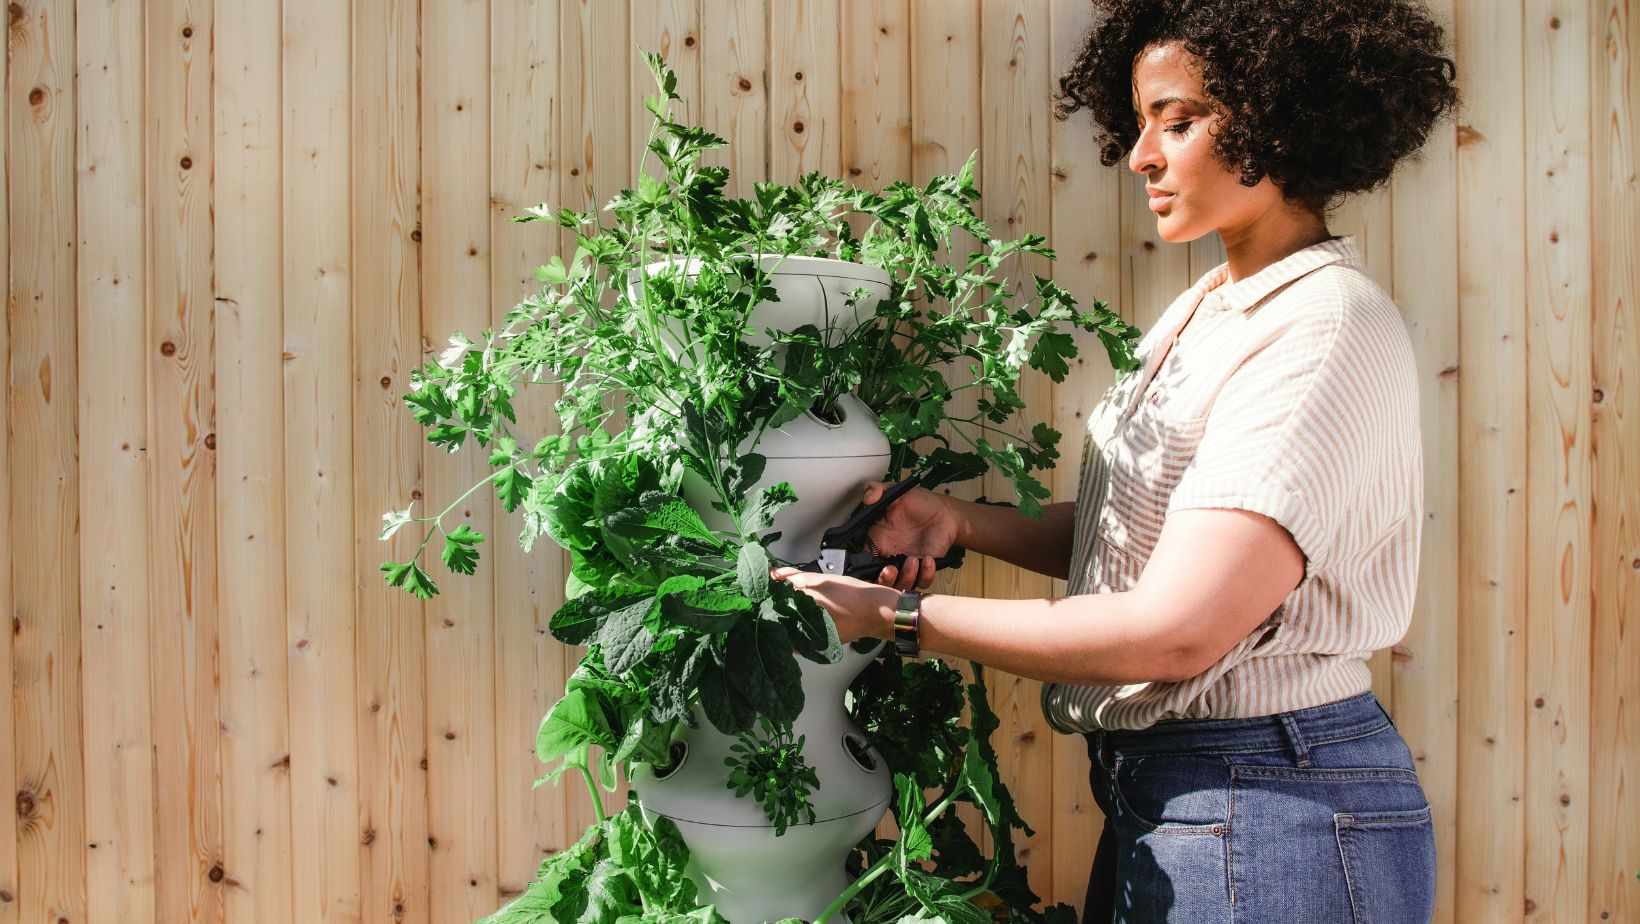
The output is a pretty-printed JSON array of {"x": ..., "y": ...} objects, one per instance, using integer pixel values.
[
  {"x": 623, "y": 871},
  {"x": 650, "y": 316},
  {"x": 769, "y": 765}
]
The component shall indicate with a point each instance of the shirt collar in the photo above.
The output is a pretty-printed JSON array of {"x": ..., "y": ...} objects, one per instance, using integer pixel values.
[{"x": 1249, "y": 293}]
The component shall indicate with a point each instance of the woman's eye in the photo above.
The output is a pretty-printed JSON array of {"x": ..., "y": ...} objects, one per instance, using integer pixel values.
[{"x": 1179, "y": 128}]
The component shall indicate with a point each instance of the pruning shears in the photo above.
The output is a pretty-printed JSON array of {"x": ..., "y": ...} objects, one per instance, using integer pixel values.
[{"x": 836, "y": 557}]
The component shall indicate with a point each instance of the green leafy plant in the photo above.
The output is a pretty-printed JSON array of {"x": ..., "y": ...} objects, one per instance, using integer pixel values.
[
  {"x": 644, "y": 332},
  {"x": 769, "y": 765}
]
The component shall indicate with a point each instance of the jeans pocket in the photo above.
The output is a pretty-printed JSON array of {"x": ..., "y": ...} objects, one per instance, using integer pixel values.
[
  {"x": 1172, "y": 794},
  {"x": 1389, "y": 865}
]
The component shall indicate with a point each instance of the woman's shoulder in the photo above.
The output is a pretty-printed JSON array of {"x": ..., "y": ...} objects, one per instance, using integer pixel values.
[{"x": 1338, "y": 306}]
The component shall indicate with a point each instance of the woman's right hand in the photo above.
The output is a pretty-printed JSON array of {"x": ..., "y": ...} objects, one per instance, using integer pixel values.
[{"x": 922, "y": 526}]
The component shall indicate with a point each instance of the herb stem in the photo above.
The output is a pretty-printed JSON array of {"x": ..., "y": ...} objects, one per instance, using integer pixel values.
[{"x": 592, "y": 792}]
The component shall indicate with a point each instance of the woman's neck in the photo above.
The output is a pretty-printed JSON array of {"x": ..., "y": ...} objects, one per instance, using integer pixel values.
[{"x": 1269, "y": 236}]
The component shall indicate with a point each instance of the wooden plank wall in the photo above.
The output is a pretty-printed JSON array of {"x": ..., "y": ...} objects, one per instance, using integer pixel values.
[{"x": 231, "y": 228}]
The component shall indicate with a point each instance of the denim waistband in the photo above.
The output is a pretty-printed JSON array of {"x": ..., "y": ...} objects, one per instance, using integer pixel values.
[{"x": 1298, "y": 730}]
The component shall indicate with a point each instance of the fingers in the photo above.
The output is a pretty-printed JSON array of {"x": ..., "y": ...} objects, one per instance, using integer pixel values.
[
  {"x": 873, "y": 492},
  {"x": 784, "y": 573},
  {"x": 927, "y": 573}
]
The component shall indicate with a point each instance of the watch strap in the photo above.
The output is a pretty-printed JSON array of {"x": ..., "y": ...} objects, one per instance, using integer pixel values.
[{"x": 907, "y": 615}]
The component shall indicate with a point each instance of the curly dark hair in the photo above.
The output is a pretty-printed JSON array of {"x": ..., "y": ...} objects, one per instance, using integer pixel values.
[{"x": 1324, "y": 97}]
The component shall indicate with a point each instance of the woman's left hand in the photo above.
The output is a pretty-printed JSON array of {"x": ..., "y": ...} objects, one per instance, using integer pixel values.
[{"x": 860, "y": 609}]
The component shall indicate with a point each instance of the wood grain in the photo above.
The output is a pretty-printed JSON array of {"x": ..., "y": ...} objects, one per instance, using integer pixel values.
[
  {"x": 1423, "y": 690},
  {"x": 1559, "y": 280},
  {"x": 319, "y": 472},
  {"x": 460, "y": 663},
  {"x": 1493, "y": 511},
  {"x": 43, "y": 483},
  {"x": 1087, "y": 237},
  {"x": 182, "y": 449},
  {"x": 1014, "y": 179},
  {"x": 735, "y": 88},
  {"x": 9, "y": 885},
  {"x": 876, "y": 92},
  {"x": 114, "y": 616},
  {"x": 1614, "y": 718},
  {"x": 529, "y": 587},
  {"x": 804, "y": 89},
  {"x": 391, "y": 644}
]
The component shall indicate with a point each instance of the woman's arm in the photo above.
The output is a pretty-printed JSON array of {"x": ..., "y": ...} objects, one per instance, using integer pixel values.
[
  {"x": 1043, "y": 546},
  {"x": 1214, "y": 576}
]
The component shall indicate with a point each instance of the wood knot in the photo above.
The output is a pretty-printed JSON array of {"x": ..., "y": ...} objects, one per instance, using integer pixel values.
[
  {"x": 416, "y": 235},
  {"x": 187, "y": 32},
  {"x": 1538, "y": 703},
  {"x": 797, "y": 127},
  {"x": 387, "y": 382},
  {"x": 37, "y": 96},
  {"x": 1149, "y": 246},
  {"x": 1531, "y": 906},
  {"x": 375, "y": 707},
  {"x": 167, "y": 349},
  {"x": 449, "y": 736},
  {"x": 415, "y": 494},
  {"x": 330, "y": 780},
  {"x": 216, "y": 873},
  {"x": 1467, "y": 135},
  {"x": 689, "y": 41},
  {"x": 283, "y": 763},
  {"x": 17, "y": 13},
  {"x": 798, "y": 76},
  {"x": 745, "y": 85},
  {"x": 1554, "y": 22},
  {"x": 6, "y": 897},
  {"x": 855, "y": 171},
  {"x": 368, "y": 837},
  {"x": 26, "y": 804},
  {"x": 432, "y": 843},
  {"x": 1554, "y": 237},
  {"x": 1599, "y": 396},
  {"x": 1565, "y": 800},
  {"x": 210, "y": 441},
  {"x": 186, "y": 162},
  {"x": 472, "y": 251},
  {"x": 424, "y": 765}
]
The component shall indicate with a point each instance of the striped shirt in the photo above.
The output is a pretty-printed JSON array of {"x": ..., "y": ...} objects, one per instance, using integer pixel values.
[{"x": 1292, "y": 393}]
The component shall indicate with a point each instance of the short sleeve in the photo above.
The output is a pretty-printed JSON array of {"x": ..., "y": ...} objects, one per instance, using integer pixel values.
[{"x": 1284, "y": 437}]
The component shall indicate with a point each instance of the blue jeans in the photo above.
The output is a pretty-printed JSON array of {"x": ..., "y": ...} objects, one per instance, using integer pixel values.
[{"x": 1314, "y": 815}]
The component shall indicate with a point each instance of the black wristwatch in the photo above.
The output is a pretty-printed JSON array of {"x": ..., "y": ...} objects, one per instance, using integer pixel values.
[{"x": 906, "y": 616}]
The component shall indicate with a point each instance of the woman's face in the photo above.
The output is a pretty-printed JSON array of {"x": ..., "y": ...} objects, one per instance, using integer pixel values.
[{"x": 1191, "y": 191}]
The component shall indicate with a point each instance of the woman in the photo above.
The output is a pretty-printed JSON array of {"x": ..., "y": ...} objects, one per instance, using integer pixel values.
[{"x": 1247, "y": 527}]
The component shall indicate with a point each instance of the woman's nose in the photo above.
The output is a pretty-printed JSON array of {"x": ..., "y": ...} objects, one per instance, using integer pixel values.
[{"x": 1146, "y": 155}]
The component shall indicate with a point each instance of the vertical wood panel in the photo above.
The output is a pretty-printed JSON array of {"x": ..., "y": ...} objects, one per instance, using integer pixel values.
[
  {"x": 114, "y": 616},
  {"x": 1424, "y": 686},
  {"x": 1087, "y": 236},
  {"x": 1558, "y": 290},
  {"x": 1014, "y": 170},
  {"x": 1491, "y": 401},
  {"x": 876, "y": 92},
  {"x": 256, "y": 824},
  {"x": 595, "y": 132},
  {"x": 182, "y": 454},
  {"x": 387, "y": 445},
  {"x": 43, "y": 484},
  {"x": 318, "y": 448},
  {"x": 804, "y": 86},
  {"x": 9, "y": 886},
  {"x": 529, "y": 587},
  {"x": 461, "y": 621},
  {"x": 1614, "y": 843},
  {"x": 670, "y": 28},
  {"x": 945, "y": 131},
  {"x": 735, "y": 88}
]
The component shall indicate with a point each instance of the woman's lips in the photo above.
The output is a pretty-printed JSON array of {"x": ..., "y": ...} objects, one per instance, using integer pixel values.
[{"x": 1159, "y": 200}]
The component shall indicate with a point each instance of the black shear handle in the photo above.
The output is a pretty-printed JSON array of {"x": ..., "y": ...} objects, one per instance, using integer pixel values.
[
  {"x": 839, "y": 537},
  {"x": 870, "y": 570}
]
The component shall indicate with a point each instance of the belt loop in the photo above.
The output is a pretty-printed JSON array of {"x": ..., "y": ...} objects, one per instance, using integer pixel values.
[{"x": 1301, "y": 750}]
